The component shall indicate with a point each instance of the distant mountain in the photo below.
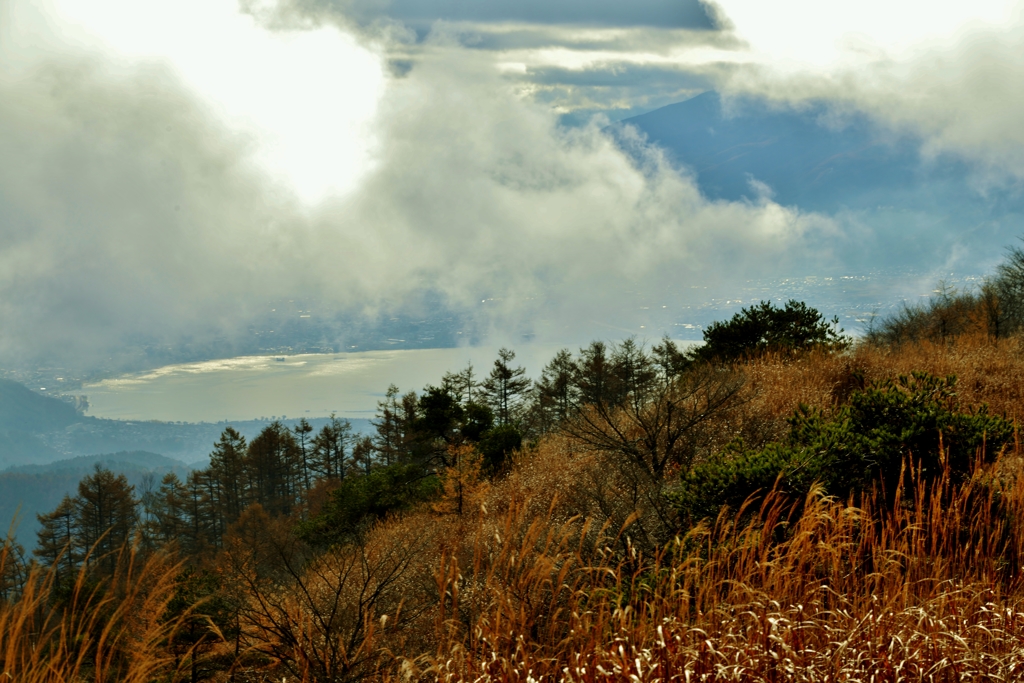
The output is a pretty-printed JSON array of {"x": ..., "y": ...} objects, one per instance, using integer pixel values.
[
  {"x": 911, "y": 209},
  {"x": 46, "y": 448},
  {"x": 25, "y": 417},
  {"x": 807, "y": 157},
  {"x": 122, "y": 462},
  {"x": 24, "y": 410},
  {"x": 30, "y": 490},
  {"x": 22, "y": 448},
  {"x": 37, "y": 430}
]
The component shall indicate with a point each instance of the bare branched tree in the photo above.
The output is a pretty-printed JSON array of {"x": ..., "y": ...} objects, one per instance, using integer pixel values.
[
  {"x": 661, "y": 424},
  {"x": 328, "y": 618}
]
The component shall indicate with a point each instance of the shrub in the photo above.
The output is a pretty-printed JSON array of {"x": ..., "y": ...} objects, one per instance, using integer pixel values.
[
  {"x": 497, "y": 445},
  {"x": 862, "y": 444},
  {"x": 359, "y": 501},
  {"x": 764, "y": 327}
]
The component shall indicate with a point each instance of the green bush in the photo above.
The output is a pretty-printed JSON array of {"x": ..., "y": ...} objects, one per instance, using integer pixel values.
[
  {"x": 862, "y": 444},
  {"x": 497, "y": 445},
  {"x": 765, "y": 327},
  {"x": 359, "y": 501}
]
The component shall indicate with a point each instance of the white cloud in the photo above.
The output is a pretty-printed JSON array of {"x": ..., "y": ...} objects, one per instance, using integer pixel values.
[
  {"x": 305, "y": 97},
  {"x": 148, "y": 171},
  {"x": 946, "y": 72},
  {"x": 131, "y": 211},
  {"x": 481, "y": 193},
  {"x": 804, "y": 35}
]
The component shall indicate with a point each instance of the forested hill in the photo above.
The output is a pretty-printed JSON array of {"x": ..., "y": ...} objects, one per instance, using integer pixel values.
[
  {"x": 22, "y": 409},
  {"x": 46, "y": 447},
  {"x": 25, "y": 417},
  {"x": 37, "y": 430},
  {"x": 32, "y": 489}
]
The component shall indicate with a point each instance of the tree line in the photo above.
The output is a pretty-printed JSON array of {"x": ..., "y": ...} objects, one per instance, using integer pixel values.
[
  {"x": 334, "y": 480},
  {"x": 274, "y": 515}
]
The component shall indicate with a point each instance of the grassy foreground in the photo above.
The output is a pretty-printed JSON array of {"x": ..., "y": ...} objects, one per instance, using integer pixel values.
[{"x": 550, "y": 572}]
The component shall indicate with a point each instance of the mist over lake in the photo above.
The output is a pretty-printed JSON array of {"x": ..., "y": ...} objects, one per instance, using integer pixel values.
[{"x": 307, "y": 385}]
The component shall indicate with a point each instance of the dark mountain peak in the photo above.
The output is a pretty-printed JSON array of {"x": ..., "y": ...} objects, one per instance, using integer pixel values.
[
  {"x": 24, "y": 410},
  {"x": 807, "y": 156}
]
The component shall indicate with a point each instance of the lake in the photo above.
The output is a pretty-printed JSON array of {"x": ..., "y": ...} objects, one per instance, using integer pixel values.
[{"x": 308, "y": 385}]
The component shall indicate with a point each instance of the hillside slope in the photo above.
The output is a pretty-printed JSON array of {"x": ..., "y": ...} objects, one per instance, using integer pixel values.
[{"x": 24, "y": 410}]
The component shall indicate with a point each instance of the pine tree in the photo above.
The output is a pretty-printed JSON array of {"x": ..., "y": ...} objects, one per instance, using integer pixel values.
[
  {"x": 228, "y": 469},
  {"x": 595, "y": 376},
  {"x": 166, "y": 509},
  {"x": 362, "y": 456},
  {"x": 329, "y": 445},
  {"x": 105, "y": 516},
  {"x": 461, "y": 385},
  {"x": 669, "y": 359},
  {"x": 395, "y": 418},
  {"x": 13, "y": 569},
  {"x": 199, "y": 534},
  {"x": 504, "y": 387},
  {"x": 556, "y": 392},
  {"x": 56, "y": 542},
  {"x": 302, "y": 432},
  {"x": 635, "y": 373},
  {"x": 273, "y": 463}
]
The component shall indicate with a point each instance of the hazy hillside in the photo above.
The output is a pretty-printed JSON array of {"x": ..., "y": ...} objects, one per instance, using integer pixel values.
[
  {"x": 38, "y": 430},
  {"x": 24, "y": 410},
  {"x": 32, "y": 489},
  {"x": 21, "y": 448},
  {"x": 24, "y": 417},
  {"x": 905, "y": 199},
  {"x": 805, "y": 157}
]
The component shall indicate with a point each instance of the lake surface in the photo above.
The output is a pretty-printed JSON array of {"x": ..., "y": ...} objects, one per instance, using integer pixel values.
[{"x": 309, "y": 385}]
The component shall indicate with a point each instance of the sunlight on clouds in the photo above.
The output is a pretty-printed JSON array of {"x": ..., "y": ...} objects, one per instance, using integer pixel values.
[
  {"x": 945, "y": 73},
  {"x": 306, "y": 97},
  {"x": 802, "y": 34},
  {"x": 133, "y": 211}
]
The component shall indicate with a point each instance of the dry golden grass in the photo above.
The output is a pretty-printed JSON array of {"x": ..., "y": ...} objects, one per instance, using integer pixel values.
[
  {"x": 540, "y": 584},
  {"x": 550, "y": 573},
  {"x": 990, "y": 372},
  {"x": 926, "y": 591},
  {"x": 544, "y": 575},
  {"x": 106, "y": 631}
]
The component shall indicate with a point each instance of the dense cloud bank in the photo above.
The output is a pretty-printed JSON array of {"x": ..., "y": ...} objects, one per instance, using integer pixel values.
[
  {"x": 134, "y": 213},
  {"x": 957, "y": 94},
  {"x": 130, "y": 212}
]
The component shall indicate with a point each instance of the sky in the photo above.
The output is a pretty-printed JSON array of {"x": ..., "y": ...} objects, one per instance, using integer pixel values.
[{"x": 169, "y": 171}]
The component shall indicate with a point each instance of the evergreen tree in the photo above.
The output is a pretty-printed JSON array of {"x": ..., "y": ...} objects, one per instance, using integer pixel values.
[
  {"x": 669, "y": 360},
  {"x": 207, "y": 617},
  {"x": 167, "y": 510},
  {"x": 329, "y": 445},
  {"x": 764, "y": 327},
  {"x": 105, "y": 516},
  {"x": 394, "y": 426},
  {"x": 199, "y": 535},
  {"x": 13, "y": 569},
  {"x": 556, "y": 392},
  {"x": 228, "y": 469},
  {"x": 461, "y": 385},
  {"x": 302, "y": 432},
  {"x": 595, "y": 376},
  {"x": 56, "y": 541},
  {"x": 390, "y": 433},
  {"x": 362, "y": 456},
  {"x": 1008, "y": 287},
  {"x": 635, "y": 373},
  {"x": 274, "y": 469},
  {"x": 504, "y": 387}
]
